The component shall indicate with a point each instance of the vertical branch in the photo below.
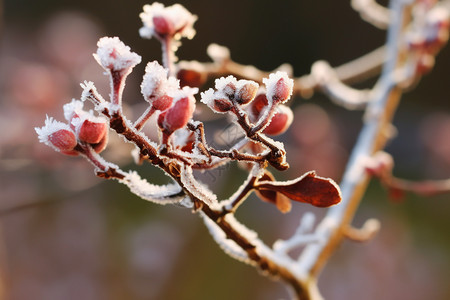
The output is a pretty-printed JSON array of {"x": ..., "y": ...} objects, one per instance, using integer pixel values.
[{"x": 371, "y": 139}]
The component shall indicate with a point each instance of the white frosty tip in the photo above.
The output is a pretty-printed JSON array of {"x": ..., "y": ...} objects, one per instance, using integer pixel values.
[
  {"x": 156, "y": 83},
  {"x": 51, "y": 126},
  {"x": 113, "y": 54},
  {"x": 173, "y": 20},
  {"x": 72, "y": 108}
]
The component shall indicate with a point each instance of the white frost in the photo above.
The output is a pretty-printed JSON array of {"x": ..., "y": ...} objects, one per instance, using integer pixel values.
[
  {"x": 179, "y": 18},
  {"x": 197, "y": 189},
  {"x": 113, "y": 54},
  {"x": 228, "y": 246},
  {"x": 155, "y": 82},
  {"x": 271, "y": 84},
  {"x": 154, "y": 193},
  {"x": 51, "y": 126}
]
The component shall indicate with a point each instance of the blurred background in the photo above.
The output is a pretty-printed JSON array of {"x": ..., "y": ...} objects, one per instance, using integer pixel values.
[{"x": 69, "y": 235}]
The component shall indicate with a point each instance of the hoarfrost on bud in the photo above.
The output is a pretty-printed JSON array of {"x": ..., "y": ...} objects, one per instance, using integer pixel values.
[
  {"x": 57, "y": 135},
  {"x": 156, "y": 84},
  {"x": 72, "y": 109},
  {"x": 181, "y": 111},
  {"x": 89, "y": 128},
  {"x": 279, "y": 87},
  {"x": 160, "y": 21},
  {"x": 112, "y": 54}
]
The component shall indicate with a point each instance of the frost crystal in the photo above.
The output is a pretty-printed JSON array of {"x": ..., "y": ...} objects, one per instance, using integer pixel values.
[
  {"x": 113, "y": 54},
  {"x": 177, "y": 20},
  {"x": 73, "y": 108},
  {"x": 228, "y": 246},
  {"x": 155, "y": 83},
  {"x": 196, "y": 188},
  {"x": 170, "y": 193}
]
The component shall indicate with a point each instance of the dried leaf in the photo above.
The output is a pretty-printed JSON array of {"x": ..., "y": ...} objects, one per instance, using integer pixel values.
[
  {"x": 282, "y": 202},
  {"x": 309, "y": 188}
]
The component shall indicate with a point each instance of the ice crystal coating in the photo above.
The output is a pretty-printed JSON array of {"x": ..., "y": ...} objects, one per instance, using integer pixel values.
[
  {"x": 57, "y": 135},
  {"x": 156, "y": 84},
  {"x": 279, "y": 87},
  {"x": 166, "y": 194},
  {"x": 72, "y": 109},
  {"x": 160, "y": 21},
  {"x": 112, "y": 54}
]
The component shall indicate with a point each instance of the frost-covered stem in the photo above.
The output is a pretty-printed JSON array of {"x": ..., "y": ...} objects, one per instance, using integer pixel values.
[
  {"x": 277, "y": 154},
  {"x": 117, "y": 85},
  {"x": 263, "y": 122},
  {"x": 168, "y": 54},
  {"x": 371, "y": 139},
  {"x": 144, "y": 118},
  {"x": 104, "y": 169},
  {"x": 240, "y": 196},
  {"x": 262, "y": 262}
]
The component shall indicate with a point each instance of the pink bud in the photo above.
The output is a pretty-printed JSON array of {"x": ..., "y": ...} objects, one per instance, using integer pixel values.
[
  {"x": 92, "y": 132},
  {"x": 282, "y": 91},
  {"x": 279, "y": 87},
  {"x": 162, "y": 103},
  {"x": 222, "y": 105},
  {"x": 247, "y": 92},
  {"x": 178, "y": 115},
  {"x": 63, "y": 140},
  {"x": 162, "y": 26},
  {"x": 280, "y": 121}
]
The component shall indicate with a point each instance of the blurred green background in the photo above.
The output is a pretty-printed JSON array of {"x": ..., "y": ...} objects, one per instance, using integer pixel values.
[{"x": 68, "y": 235}]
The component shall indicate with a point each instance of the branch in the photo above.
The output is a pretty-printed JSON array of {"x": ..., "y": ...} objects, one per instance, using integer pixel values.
[{"x": 371, "y": 139}]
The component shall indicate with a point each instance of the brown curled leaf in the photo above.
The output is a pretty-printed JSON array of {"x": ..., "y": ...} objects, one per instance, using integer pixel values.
[
  {"x": 282, "y": 202},
  {"x": 309, "y": 188}
]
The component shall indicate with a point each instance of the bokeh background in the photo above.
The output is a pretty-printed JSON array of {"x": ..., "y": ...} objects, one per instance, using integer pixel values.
[{"x": 69, "y": 235}]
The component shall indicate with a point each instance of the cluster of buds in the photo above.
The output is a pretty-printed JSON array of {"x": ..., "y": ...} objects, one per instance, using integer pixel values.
[
  {"x": 428, "y": 33},
  {"x": 263, "y": 108},
  {"x": 82, "y": 128}
]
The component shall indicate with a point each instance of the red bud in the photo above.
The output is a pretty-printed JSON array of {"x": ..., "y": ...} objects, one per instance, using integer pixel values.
[
  {"x": 92, "y": 132},
  {"x": 247, "y": 93},
  {"x": 282, "y": 91},
  {"x": 280, "y": 121},
  {"x": 63, "y": 140},
  {"x": 162, "y": 26},
  {"x": 178, "y": 115},
  {"x": 162, "y": 103}
]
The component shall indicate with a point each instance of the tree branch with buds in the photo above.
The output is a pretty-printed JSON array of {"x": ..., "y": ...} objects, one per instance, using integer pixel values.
[{"x": 258, "y": 106}]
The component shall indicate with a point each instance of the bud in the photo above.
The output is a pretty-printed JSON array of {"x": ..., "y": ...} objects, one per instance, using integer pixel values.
[
  {"x": 279, "y": 87},
  {"x": 222, "y": 105},
  {"x": 246, "y": 91},
  {"x": 57, "y": 135},
  {"x": 63, "y": 140},
  {"x": 162, "y": 103},
  {"x": 163, "y": 26},
  {"x": 216, "y": 101},
  {"x": 92, "y": 132},
  {"x": 156, "y": 86},
  {"x": 280, "y": 121},
  {"x": 179, "y": 114},
  {"x": 257, "y": 106},
  {"x": 160, "y": 21},
  {"x": 190, "y": 77},
  {"x": 113, "y": 55}
]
